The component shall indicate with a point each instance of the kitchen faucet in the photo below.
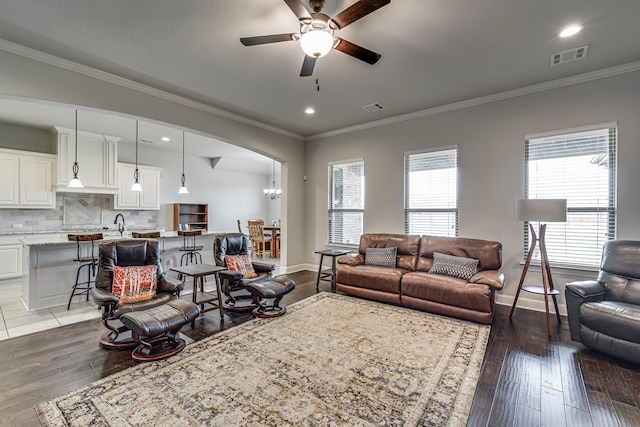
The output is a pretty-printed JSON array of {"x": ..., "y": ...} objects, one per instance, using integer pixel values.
[{"x": 121, "y": 225}]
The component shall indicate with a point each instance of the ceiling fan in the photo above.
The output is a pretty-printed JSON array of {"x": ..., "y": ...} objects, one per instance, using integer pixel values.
[{"x": 317, "y": 32}]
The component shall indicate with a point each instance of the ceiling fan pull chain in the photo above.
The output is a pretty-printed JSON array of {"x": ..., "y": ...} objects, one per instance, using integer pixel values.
[{"x": 318, "y": 76}]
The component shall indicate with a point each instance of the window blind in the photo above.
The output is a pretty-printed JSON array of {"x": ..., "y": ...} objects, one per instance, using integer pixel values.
[
  {"x": 346, "y": 202},
  {"x": 579, "y": 167},
  {"x": 431, "y": 203}
]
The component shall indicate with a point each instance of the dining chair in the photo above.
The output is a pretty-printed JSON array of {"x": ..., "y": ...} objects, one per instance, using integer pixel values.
[{"x": 259, "y": 242}]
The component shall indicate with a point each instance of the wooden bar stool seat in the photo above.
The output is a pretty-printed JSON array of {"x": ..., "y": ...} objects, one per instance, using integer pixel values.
[{"x": 87, "y": 262}]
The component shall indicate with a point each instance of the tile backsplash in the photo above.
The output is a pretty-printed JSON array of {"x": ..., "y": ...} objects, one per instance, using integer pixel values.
[{"x": 73, "y": 212}]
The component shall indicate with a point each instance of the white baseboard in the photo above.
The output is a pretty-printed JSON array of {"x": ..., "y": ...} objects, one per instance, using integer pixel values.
[{"x": 526, "y": 301}]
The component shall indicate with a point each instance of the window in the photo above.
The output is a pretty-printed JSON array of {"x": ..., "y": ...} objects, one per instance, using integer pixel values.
[
  {"x": 431, "y": 203},
  {"x": 346, "y": 201},
  {"x": 578, "y": 165}
]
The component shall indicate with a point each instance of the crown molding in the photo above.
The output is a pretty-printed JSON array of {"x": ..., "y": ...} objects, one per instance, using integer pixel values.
[
  {"x": 527, "y": 90},
  {"x": 75, "y": 67}
]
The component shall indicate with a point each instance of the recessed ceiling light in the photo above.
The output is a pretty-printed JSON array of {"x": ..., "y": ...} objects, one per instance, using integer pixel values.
[
  {"x": 166, "y": 139},
  {"x": 310, "y": 110},
  {"x": 570, "y": 31}
]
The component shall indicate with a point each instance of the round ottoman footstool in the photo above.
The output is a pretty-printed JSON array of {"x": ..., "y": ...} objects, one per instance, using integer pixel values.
[
  {"x": 155, "y": 329},
  {"x": 274, "y": 289}
]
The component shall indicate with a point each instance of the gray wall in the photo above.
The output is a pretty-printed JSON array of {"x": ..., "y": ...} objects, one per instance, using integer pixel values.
[
  {"x": 490, "y": 138},
  {"x": 17, "y": 137},
  {"x": 25, "y": 77}
]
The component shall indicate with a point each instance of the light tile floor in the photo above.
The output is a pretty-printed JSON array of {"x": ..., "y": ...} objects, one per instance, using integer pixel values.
[{"x": 17, "y": 321}]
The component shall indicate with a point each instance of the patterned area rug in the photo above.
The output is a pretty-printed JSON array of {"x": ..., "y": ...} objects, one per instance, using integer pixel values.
[{"x": 331, "y": 360}]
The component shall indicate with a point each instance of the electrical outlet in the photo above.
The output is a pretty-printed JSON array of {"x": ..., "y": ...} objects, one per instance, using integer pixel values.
[{"x": 17, "y": 226}]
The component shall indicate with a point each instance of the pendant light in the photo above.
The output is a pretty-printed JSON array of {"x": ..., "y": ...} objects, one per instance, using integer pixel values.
[
  {"x": 136, "y": 175},
  {"x": 75, "y": 181},
  {"x": 183, "y": 188},
  {"x": 273, "y": 193}
]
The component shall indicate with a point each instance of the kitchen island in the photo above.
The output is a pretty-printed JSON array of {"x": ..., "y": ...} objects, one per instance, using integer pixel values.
[{"x": 49, "y": 271}]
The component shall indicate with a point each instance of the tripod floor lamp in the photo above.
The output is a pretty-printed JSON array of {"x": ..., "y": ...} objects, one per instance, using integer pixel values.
[{"x": 542, "y": 211}]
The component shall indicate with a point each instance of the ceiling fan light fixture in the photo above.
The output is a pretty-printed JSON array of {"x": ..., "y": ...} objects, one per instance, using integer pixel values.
[{"x": 316, "y": 42}]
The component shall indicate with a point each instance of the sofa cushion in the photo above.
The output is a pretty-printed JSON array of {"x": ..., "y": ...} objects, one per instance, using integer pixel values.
[
  {"x": 447, "y": 290},
  {"x": 384, "y": 279},
  {"x": 407, "y": 246},
  {"x": 488, "y": 253},
  {"x": 454, "y": 266},
  {"x": 385, "y": 257}
]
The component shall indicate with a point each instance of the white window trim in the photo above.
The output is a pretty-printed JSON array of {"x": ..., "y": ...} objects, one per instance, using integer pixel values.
[{"x": 431, "y": 150}]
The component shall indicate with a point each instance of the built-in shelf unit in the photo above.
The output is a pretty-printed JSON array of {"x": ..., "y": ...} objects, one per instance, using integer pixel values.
[{"x": 190, "y": 216}]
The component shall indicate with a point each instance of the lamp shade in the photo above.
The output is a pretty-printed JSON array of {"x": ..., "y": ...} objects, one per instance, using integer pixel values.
[{"x": 542, "y": 210}]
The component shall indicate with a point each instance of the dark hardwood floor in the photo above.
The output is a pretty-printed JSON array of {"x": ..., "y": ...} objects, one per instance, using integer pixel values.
[{"x": 526, "y": 378}]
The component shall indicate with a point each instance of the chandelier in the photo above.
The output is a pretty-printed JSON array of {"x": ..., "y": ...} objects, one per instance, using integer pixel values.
[{"x": 273, "y": 193}]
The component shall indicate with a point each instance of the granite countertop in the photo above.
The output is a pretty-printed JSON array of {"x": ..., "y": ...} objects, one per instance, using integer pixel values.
[{"x": 61, "y": 238}]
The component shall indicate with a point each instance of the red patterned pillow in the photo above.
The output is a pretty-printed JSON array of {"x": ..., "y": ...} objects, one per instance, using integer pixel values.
[
  {"x": 241, "y": 263},
  {"x": 135, "y": 284}
]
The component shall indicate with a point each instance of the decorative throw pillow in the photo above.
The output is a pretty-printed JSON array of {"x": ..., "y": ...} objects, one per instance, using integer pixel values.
[
  {"x": 455, "y": 266},
  {"x": 385, "y": 257},
  {"x": 241, "y": 263},
  {"x": 135, "y": 284}
]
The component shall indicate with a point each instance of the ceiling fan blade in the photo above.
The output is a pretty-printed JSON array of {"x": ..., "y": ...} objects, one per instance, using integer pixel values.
[
  {"x": 274, "y": 38},
  {"x": 307, "y": 66},
  {"x": 298, "y": 9},
  {"x": 357, "y": 11},
  {"x": 356, "y": 51}
]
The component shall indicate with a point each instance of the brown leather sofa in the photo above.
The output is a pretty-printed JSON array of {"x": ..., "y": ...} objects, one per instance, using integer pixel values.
[{"x": 410, "y": 283}]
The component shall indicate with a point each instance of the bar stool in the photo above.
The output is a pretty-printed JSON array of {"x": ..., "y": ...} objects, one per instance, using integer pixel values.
[
  {"x": 87, "y": 262},
  {"x": 191, "y": 250}
]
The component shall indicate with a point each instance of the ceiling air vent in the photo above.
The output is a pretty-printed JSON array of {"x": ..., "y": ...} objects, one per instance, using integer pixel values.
[
  {"x": 569, "y": 55},
  {"x": 373, "y": 107}
]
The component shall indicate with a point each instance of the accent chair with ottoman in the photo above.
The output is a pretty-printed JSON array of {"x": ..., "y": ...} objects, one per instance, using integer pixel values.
[
  {"x": 604, "y": 314},
  {"x": 248, "y": 280},
  {"x": 135, "y": 294}
]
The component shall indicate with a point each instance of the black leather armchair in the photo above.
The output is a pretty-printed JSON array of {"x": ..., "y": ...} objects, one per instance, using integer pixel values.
[
  {"x": 604, "y": 314},
  {"x": 125, "y": 253},
  {"x": 233, "y": 282}
]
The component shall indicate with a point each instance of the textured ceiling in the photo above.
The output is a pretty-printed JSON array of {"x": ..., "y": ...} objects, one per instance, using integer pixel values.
[{"x": 434, "y": 52}]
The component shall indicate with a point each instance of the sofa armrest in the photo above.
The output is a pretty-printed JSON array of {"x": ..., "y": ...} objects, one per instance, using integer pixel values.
[
  {"x": 591, "y": 290},
  {"x": 492, "y": 278},
  {"x": 351, "y": 260},
  {"x": 170, "y": 285},
  {"x": 576, "y": 294}
]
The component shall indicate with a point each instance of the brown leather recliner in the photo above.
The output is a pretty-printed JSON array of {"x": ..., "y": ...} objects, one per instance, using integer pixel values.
[
  {"x": 126, "y": 253},
  {"x": 233, "y": 282},
  {"x": 604, "y": 314}
]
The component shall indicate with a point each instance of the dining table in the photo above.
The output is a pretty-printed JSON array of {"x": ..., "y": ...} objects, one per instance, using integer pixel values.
[{"x": 274, "y": 229}]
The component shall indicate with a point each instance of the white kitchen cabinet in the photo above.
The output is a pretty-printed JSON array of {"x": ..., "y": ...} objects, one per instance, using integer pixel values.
[
  {"x": 97, "y": 160},
  {"x": 10, "y": 261},
  {"x": 148, "y": 198},
  {"x": 26, "y": 180},
  {"x": 9, "y": 180}
]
